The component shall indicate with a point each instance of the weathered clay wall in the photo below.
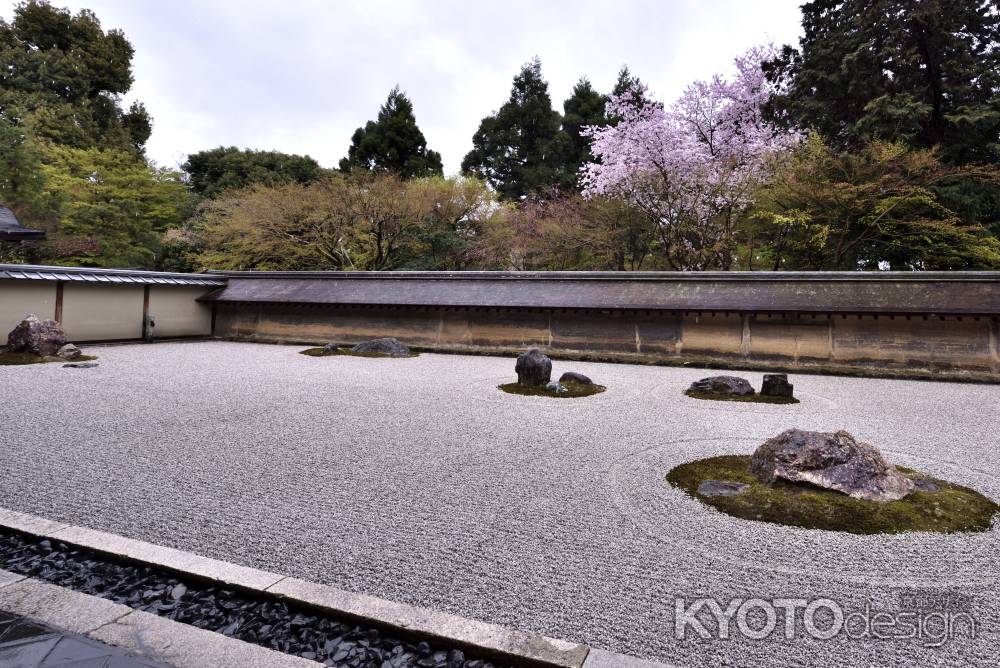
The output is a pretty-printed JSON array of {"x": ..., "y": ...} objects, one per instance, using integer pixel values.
[{"x": 918, "y": 346}]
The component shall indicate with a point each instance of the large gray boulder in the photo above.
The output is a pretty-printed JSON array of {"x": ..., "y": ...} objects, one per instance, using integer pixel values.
[
  {"x": 830, "y": 460},
  {"x": 385, "y": 346},
  {"x": 723, "y": 385},
  {"x": 533, "y": 368},
  {"x": 574, "y": 377},
  {"x": 36, "y": 336}
]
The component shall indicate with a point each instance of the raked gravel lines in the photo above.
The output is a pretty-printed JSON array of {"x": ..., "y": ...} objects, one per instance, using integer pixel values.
[{"x": 417, "y": 480}]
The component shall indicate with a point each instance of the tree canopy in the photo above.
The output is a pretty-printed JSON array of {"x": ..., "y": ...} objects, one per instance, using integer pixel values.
[
  {"x": 219, "y": 169},
  {"x": 393, "y": 142},
  {"x": 924, "y": 72},
  {"x": 515, "y": 150},
  {"x": 62, "y": 78}
]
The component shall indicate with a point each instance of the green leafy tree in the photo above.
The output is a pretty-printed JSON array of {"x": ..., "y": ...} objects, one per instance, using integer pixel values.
[
  {"x": 924, "y": 72},
  {"x": 393, "y": 143},
  {"x": 110, "y": 207},
  {"x": 62, "y": 78},
  {"x": 219, "y": 169},
  {"x": 516, "y": 149},
  {"x": 874, "y": 208}
]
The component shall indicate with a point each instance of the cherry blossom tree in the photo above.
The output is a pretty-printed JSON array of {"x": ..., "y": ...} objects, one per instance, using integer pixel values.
[{"x": 693, "y": 167}]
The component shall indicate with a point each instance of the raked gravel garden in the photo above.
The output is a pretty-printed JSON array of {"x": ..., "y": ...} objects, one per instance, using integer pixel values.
[{"x": 417, "y": 479}]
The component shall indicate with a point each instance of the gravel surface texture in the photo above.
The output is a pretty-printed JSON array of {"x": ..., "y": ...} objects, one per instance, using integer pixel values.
[{"x": 418, "y": 480}]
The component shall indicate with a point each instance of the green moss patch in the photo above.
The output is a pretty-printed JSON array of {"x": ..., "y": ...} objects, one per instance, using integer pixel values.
[
  {"x": 13, "y": 359},
  {"x": 950, "y": 509},
  {"x": 323, "y": 352},
  {"x": 574, "y": 390},
  {"x": 747, "y": 398}
]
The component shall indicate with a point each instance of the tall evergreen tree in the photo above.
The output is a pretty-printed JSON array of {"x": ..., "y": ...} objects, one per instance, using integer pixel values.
[
  {"x": 584, "y": 107},
  {"x": 628, "y": 85},
  {"x": 925, "y": 72},
  {"x": 516, "y": 150},
  {"x": 393, "y": 143}
]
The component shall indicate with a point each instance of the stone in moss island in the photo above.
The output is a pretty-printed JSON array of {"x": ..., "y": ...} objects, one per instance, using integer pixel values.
[
  {"x": 15, "y": 359},
  {"x": 571, "y": 390},
  {"x": 326, "y": 352},
  {"x": 948, "y": 509},
  {"x": 746, "y": 398}
]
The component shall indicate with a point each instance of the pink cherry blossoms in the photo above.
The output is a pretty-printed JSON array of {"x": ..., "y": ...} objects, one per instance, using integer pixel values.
[{"x": 693, "y": 166}]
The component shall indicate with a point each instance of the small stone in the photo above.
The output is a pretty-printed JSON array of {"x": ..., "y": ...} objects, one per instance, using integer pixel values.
[
  {"x": 386, "y": 346},
  {"x": 533, "y": 368},
  {"x": 558, "y": 388},
  {"x": 776, "y": 385},
  {"x": 69, "y": 352},
  {"x": 331, "y": 348},
  {"x": 80, "y": 365},
  {"x": 925, "y": 485},
  {"x": 574, "y": 377},
  {"x": 830, "y": 460},
  {"x": 721, "y": 488},
  {"x": 36, "y": 336},
  {"x": 723, "y": 385}
]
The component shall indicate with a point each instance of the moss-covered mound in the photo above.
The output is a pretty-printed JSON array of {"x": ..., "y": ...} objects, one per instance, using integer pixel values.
[
  {"x": 949, "y": 509},
  {"x": 749, "y": 398},
  {"x": 323, "y": 352},
  {"x": 11, "y": 359},
  {"x": 573, "y": 390}
]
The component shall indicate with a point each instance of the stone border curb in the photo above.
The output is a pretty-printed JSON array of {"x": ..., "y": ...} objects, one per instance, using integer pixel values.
[
  {"x": 132, "y": 626},
  {"x": 142, "y": 633}
]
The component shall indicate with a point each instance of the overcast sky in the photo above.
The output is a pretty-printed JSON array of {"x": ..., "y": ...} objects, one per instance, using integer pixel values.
[{"x": 300, "y": 75}]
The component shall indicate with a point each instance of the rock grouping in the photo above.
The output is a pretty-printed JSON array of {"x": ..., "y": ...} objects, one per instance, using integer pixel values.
[
  {"x": 384, "y": 346},
  {"x": 534, "y": 377},
  {"x": 834, "y": 461},
  {"x": 775, "y": 387},
  {"x": 36, "y": 336}
]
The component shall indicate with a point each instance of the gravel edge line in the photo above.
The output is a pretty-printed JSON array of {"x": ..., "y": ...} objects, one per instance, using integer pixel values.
[{"x": 520, "y": 645}]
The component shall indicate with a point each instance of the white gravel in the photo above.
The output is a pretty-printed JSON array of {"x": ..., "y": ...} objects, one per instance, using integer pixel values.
[{"x": 417, "y": 480}]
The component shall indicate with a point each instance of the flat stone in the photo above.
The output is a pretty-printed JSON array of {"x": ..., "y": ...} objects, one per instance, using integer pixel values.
[
  {"x": 574, "y": 377},
  {"x": 80, "y": 365},
  {"x": 558, "y": 388},
  {"x": 331, "y": 347},
  {"x": 186, "y": 646},
  {"x": 64, "y": 608},
  {"x": 535, "y": 648},
  {"x": 830, "y": 460},
  {"x": 533, "y": 368},
  {"x": 721, "y": 488},
  {"x": 723, "y": 385},
  {"x": 25, "y": 523},
  {"x": 8, "y": 578},
  {"x": 925, "y": 485},
  {"x": 386, "y": 346}
]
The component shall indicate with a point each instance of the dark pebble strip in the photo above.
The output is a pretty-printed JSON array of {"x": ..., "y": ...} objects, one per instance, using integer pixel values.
[{"x": 259, "y": 619}]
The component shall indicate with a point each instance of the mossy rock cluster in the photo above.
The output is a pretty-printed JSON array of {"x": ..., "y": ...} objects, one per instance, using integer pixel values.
[
  {"x": 573, "y": 390},
  {"x": 324, "y": 352},
  {"x": 14, "y": 359},
  {"x": 745, "y": 398},
  {"x": 948, "y": 509}
]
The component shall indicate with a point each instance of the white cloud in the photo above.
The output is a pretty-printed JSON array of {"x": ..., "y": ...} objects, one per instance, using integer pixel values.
[{"x": 301, "y": 76}]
